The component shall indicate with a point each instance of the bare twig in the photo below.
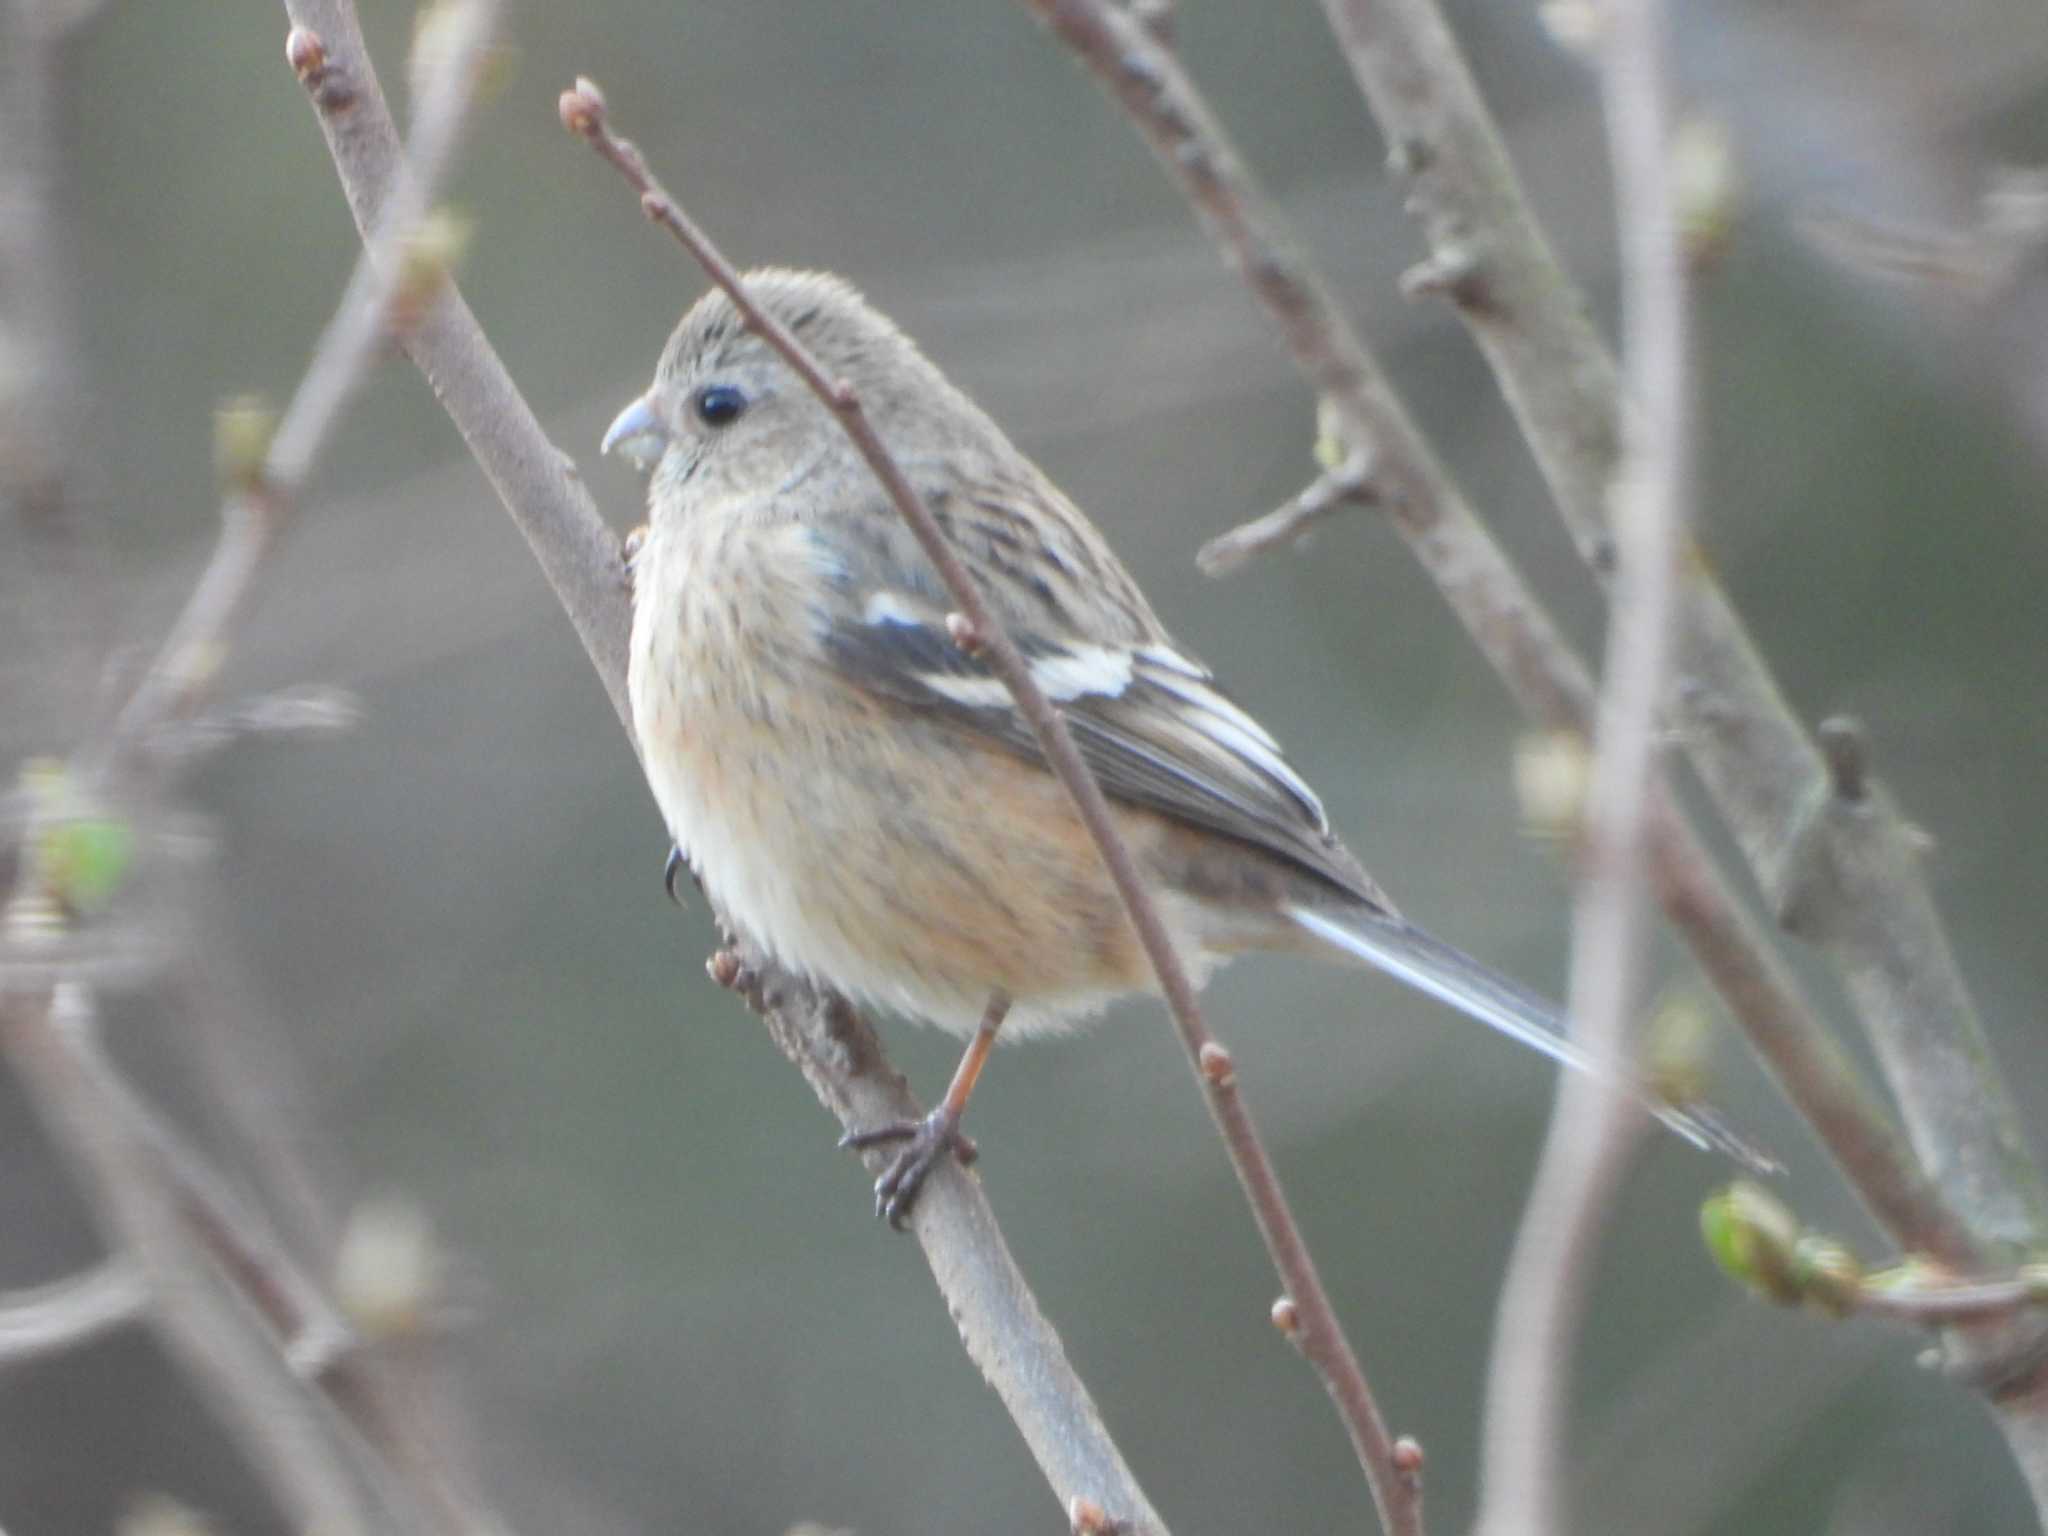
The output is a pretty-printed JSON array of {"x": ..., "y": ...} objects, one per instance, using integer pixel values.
[
  {"x": 536, "y": 481},
  {"x": 1497, "y": 608},
  {"x": 1502, "y": 615},
  {"x": 1841, "y": 870},
  {"x": 1585, "y": 1152},
  {"x": 1969, "y": 1301},
  {"x": 319, "y": 1346},
  {"x": 1321, "y": 1336},
  {"x": 1348, "y": 485},
  {"x": 159, "y": 1203},
  {"x": 312, "y": 1334},
  {"x": 1001, "y": 1325},
  {"x": 998, "y": 1321},
  {"x": 68, "y": 1313},
  {"x": 1849, "y": 882},
  {"x": 370, "y": 308},
  {"x": 203, "y": 1326}
]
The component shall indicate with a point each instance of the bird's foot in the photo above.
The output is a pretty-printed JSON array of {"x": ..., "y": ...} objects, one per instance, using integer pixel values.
[
  {"x": 670, "y": 870},
  {"x": 924, "y": 1143}
]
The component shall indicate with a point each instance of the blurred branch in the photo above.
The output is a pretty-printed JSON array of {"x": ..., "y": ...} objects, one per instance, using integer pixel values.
[
  {"x": 68, "y": 1313},
  {"x": 1348, "y": 485},
  {"x": 1506, "y": 622},
  {"x": 318, "y": 1346},
  {"x": 1758, "y": 1240},
  {"x": 1541, "y": 1311},
  {"x": 203, "y": 1326},
  {"x": 44, "y": 587},
  {"x": 1978, "y": 264},
  {"x": 537, "y": 483},
  {"x": 991, "y": 1305},
  {"x": 406, "y": 259},
  {"x": 234, "y": 1310},
  {"x": 1871, "y": 911}
]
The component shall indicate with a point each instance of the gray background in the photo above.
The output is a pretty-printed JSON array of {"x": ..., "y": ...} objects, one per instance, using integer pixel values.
[{"x": 676, "y": 1312}]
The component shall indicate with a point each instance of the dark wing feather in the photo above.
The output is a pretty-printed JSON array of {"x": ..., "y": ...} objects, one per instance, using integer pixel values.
[{"x": 1148, "y": 720}]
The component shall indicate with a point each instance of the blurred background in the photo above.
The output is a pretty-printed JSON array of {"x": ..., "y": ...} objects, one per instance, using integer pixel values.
[{"x": 439, "y": 944}]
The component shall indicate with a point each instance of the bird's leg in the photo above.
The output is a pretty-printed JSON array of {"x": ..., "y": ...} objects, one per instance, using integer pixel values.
[{"x": 926, "y": 1141}]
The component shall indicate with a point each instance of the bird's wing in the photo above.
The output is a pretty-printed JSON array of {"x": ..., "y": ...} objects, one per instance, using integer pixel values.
[{"x": 1148, "y": 718}]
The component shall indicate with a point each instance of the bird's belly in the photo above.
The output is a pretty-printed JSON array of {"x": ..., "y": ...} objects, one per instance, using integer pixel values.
[{"x": 888, "y": 856}]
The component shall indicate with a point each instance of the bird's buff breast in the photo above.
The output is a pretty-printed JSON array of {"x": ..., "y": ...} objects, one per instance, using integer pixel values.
[{"x": 888, "y": 856}]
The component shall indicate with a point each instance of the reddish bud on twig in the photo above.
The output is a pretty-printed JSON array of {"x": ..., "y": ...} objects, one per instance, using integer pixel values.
[
  {"x": 306, "y": 54},
  {"x": 1408, "y": 1459},
  {"x": 1217, "y": 1067},
  {"x": 724, "y": 968},
  {"x": 1287, "y": 1317}
]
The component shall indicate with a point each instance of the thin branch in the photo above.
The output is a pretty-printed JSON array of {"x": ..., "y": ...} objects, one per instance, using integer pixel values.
[
  {"x": 986, "y": 1295},
  {"x": 1321, "y": 1335},
  {"x": 160, "y": 1203},
  {"x": 1001, "y": 1326},
  {"x": 1348, "y": 485},
  {"x": 1586, "y": 1150},
  {"x": 313, "y": 1336},
  {"x": 205, "y": 1329},
  {"x": 1506, "y": 622},
  {"x": 536, "y": 481},
  {"x": 371, "y": 307},
  {"x": 1970, "y": 1301},
  {"x": 1847, "y": 880},
  {"x": 67, "y": 1314},
  {"x": 315, "y": 1342}
]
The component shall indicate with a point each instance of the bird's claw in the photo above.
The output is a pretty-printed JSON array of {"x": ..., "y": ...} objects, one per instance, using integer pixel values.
[
  {"x": 670, "y": 870},
  {"x": 924, "y": 1141}
]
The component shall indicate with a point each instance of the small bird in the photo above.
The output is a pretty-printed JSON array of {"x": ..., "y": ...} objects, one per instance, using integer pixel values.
[{"x": 856, "y": 792}]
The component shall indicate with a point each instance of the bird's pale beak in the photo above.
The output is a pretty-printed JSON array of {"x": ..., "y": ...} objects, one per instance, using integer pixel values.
[{"x": 638, "y": 434}]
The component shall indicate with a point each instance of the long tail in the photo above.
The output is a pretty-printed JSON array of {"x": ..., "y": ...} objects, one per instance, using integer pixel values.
[{"x": 1450, "y": 976}]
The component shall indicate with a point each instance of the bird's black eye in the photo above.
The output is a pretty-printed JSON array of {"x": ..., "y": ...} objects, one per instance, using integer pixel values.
[{"x": 719, "y": 405}]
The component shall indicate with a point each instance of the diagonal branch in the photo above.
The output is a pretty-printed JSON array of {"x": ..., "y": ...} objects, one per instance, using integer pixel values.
[
  {"x": 1840, "y": 871},
  {"x": 371, "y": 308},
  {"x": 1495, "y": 605},
  {"x": 1320, "y": 1335},
  {"x": 234, "y": 1311},
  {"x": 47, "y": 1042}
]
